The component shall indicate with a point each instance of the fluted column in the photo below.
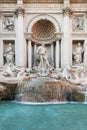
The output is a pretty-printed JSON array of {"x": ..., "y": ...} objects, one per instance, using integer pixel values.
[
  {"x": 57, "y": 54},
  {"x": 20, "y": 44},
  {"x": 66, "y": 37},
  {"x": 29, "y": 54}
]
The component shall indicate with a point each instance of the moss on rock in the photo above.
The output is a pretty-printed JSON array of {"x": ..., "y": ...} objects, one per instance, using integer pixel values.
[{"x": 76, "y": 95}]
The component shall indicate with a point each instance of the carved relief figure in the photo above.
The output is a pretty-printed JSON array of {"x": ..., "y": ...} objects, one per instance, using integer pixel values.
[
  {"x": 9, "y": 55},
  {"x": 42, "y": 53},
  {"x": 77, "y": 54},
  {"x": 8, "y": 23},
  {"x": 78, "y": 23}
]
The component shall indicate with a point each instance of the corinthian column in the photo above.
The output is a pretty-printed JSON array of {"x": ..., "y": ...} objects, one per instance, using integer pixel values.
[
  {"x": 66, "y": 38},
  {"x": 52, "y": 52},
  {"x": 57, "y": 53},
  {"x": 20, "y": 44}
]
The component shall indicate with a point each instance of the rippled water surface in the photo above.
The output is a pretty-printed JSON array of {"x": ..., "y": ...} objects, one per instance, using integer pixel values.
[{"x": 15, "y": 116}]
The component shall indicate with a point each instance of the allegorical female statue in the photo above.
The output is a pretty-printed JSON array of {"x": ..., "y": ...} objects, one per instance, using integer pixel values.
[
  {"x": 9, "y": 55},
  {"x": 77, "y": 54}
]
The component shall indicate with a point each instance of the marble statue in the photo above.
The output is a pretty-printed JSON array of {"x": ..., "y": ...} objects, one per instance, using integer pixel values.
[
  {"x": 9, "y": 55},
  {"x": 42, "y": 53},
  {"x": 79, "y": 81},
  {"x": 7, "y": 72},
  {"x": 65, "y": 72},
  {"x": 8, "y": 23},
  {"x": 79, "y": 75},
  {"x": 77, "y": 54}
]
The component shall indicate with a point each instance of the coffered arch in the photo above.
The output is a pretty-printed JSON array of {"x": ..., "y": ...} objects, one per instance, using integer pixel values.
[{"x": 43, "y": 17}]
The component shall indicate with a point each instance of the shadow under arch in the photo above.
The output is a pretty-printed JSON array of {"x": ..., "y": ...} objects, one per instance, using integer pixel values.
[{"x": 43, "y": 17}]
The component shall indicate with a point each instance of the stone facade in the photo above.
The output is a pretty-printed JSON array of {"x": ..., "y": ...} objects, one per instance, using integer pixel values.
[{"x": 61, "y": 25}]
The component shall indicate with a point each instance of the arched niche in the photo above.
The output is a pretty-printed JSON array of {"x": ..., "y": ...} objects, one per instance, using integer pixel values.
[
  {"x": 43, "y": 28},
  {"x": 43, "y": 17}
]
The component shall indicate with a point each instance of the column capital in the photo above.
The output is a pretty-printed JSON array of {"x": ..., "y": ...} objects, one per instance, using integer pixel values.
[
  {"x": 20, "y": 11},
  {"x": 29, "y": 36},
  {"x": 67, "y": 11},
  {"x": 58, "y": 36}
]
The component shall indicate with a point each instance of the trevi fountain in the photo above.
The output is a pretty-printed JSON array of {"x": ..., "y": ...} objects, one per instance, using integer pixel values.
[
  {"x": 43, "y": 64},
  {"x": 43, "y": 83}
]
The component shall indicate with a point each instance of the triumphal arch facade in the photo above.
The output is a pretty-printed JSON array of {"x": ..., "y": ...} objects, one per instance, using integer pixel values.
[{"x": 59, "y": 24}]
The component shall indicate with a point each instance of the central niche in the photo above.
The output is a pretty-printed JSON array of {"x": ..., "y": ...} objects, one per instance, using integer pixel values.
[{"x": 43, "y": 30}]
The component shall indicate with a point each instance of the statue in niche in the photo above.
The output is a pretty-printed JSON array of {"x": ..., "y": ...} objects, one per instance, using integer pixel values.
[
  {"x": 42, "y": 53},
  {"x": 77, "y": 54},
  {"x": 78, "y": 23},
  {"x": 8, "y": 23},
  {"x": 9, "y": 55}
]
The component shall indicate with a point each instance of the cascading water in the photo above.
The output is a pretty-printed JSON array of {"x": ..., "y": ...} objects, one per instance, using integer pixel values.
[
  {"x": 83, "y": 89},
  {"x": 43, "y": 89}
]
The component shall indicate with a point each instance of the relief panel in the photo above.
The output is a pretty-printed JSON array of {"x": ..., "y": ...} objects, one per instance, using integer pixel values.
[
  {"x": 78, "y": 23},
  {"x": 8, "y": 23}
]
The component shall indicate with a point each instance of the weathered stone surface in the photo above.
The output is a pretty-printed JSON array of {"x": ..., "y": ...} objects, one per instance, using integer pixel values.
[
  {"x": 7, "y": 92},
  {"x": 43, "y": 89},
  {"x": 76, "y": 95},
  {"x": 5, "y": 80}
]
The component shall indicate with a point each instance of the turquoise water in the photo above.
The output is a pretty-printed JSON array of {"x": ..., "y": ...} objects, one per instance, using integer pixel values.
[{"x": 14, "y": 116}]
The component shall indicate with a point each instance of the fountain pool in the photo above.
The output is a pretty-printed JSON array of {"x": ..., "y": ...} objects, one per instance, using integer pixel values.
[{"x": 15, "y": 116}]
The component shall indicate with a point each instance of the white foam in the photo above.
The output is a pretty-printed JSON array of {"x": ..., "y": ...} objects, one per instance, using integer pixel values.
[{"x": 42, "y": 103}]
